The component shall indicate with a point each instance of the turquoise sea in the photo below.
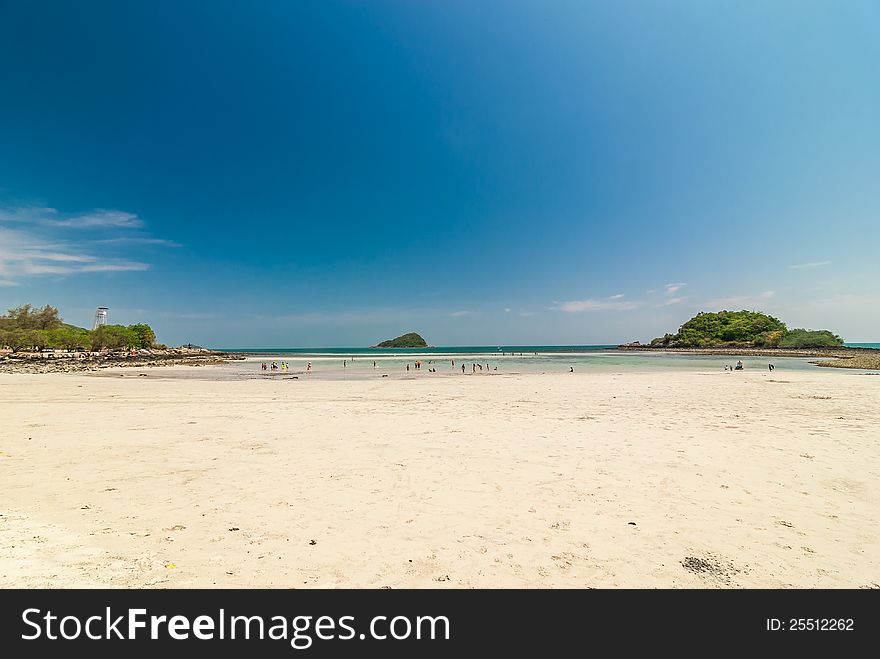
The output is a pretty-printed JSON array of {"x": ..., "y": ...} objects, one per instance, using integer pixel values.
[{"x": 360, "y": 363}]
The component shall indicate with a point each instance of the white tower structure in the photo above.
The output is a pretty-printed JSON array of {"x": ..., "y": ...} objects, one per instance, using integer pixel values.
[{"x": 100, "y": 317}]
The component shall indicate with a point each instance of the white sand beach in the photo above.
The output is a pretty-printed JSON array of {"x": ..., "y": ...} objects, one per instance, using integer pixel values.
[{"x": 664, "y": 479}]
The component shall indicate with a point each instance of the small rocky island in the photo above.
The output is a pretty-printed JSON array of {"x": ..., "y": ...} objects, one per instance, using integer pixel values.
[
  {"x": 754, "y": 333},
  {"x": 410, "y": 340}
]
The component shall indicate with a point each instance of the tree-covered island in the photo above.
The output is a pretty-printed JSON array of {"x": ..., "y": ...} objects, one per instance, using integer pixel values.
[
  {"x": 410, "y": 340},
  {"x": 744, "y": 329}
]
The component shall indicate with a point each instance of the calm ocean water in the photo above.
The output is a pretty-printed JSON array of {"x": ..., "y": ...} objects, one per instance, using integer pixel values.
[{"x": 359, "y": 363}]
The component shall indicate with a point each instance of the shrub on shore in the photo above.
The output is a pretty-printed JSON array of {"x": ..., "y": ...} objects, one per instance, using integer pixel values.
[{"x": 801, "y": 338}]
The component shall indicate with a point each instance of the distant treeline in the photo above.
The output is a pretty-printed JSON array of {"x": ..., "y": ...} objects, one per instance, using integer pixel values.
[
  {"x": 744, "y": 329},
  {"x": 28, "y": 328}
]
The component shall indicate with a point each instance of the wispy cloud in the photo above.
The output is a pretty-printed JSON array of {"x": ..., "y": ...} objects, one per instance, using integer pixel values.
[
  {"x": 99, "y": 219},
  {"x": 42, "y": 241},
  {"x": 578, "y": 306},
  {"x": 458, "y": 314},
  {"x": 615, "y": 297},
  {"x": 123, "y": 266},
  {"x": 672, "y": 289},
  {"x": 96, "y": 219},
  {"x": 671, "y": 301},
  {"x": 739, "y": 301},
  {"x": 27, "y": 214},
  {"x": 813, "y": 264},
  {"x": 137, "y": 240},
  {"x": 506, "y": 309},
  {"x": 23, "y": 254}
]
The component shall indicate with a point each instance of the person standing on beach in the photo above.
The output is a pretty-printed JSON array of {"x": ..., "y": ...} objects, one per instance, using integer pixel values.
[
  {"x": 771, "y": 367},
  {"x": 309, "y": 367},
  {"x": 462, "y": 369}
]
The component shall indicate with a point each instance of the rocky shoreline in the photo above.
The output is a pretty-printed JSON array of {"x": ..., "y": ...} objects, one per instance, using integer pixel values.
[
  {"x": 75, "y": 362},
  {"x": 865, "y": 358}
]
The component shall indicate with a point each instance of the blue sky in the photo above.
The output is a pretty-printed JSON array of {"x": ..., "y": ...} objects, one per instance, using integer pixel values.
[{"x": 335, "y": 173}]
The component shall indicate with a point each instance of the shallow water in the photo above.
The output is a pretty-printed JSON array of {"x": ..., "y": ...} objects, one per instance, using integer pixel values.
[{"x": 366, "y": 364}]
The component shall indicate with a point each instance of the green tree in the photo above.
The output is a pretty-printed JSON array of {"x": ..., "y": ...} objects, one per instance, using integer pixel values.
[
  {"x": 745, "y": 329},
  {"x": 27, "y": 317},
  {"x": 741, "y": 328},
  {"x": 112, "y": 337},
  {"x": 19, "y": 339},
  {"x": 69, "y": 337},
  {"x": 143, "y": 335}
]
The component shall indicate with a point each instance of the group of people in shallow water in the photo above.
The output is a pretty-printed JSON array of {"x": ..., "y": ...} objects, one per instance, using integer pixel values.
[
  {"x": 739, "y": 367},
  {"x": 283, "y": 366},
  {"x": 417, "y": 366}
]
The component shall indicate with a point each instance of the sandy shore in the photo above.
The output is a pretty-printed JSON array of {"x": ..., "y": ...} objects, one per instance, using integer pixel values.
[{"x": 677, "y": 479}]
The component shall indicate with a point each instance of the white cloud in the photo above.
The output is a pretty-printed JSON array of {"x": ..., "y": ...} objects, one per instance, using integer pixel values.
[
  {"x": 506, "y": 309},
  {"x": 118, "y": 266},
  {"x": 671, "y": 301},
  {"x": 40, "y": 243},
  {"x": 672, "y": 289},
  {"x": 814, "y": 264},
  {"x": 100, "y": 218},
  {"x": 23, "y": 254},
  {"x": 460, "y": 313},
  {"x": 31, "y": 268},
  {"x": 615, "y": 297},
  {"x": 577, "y": 306},
  {"x": 137, "y": 240},
  {"x": 738, "y": 301}
]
